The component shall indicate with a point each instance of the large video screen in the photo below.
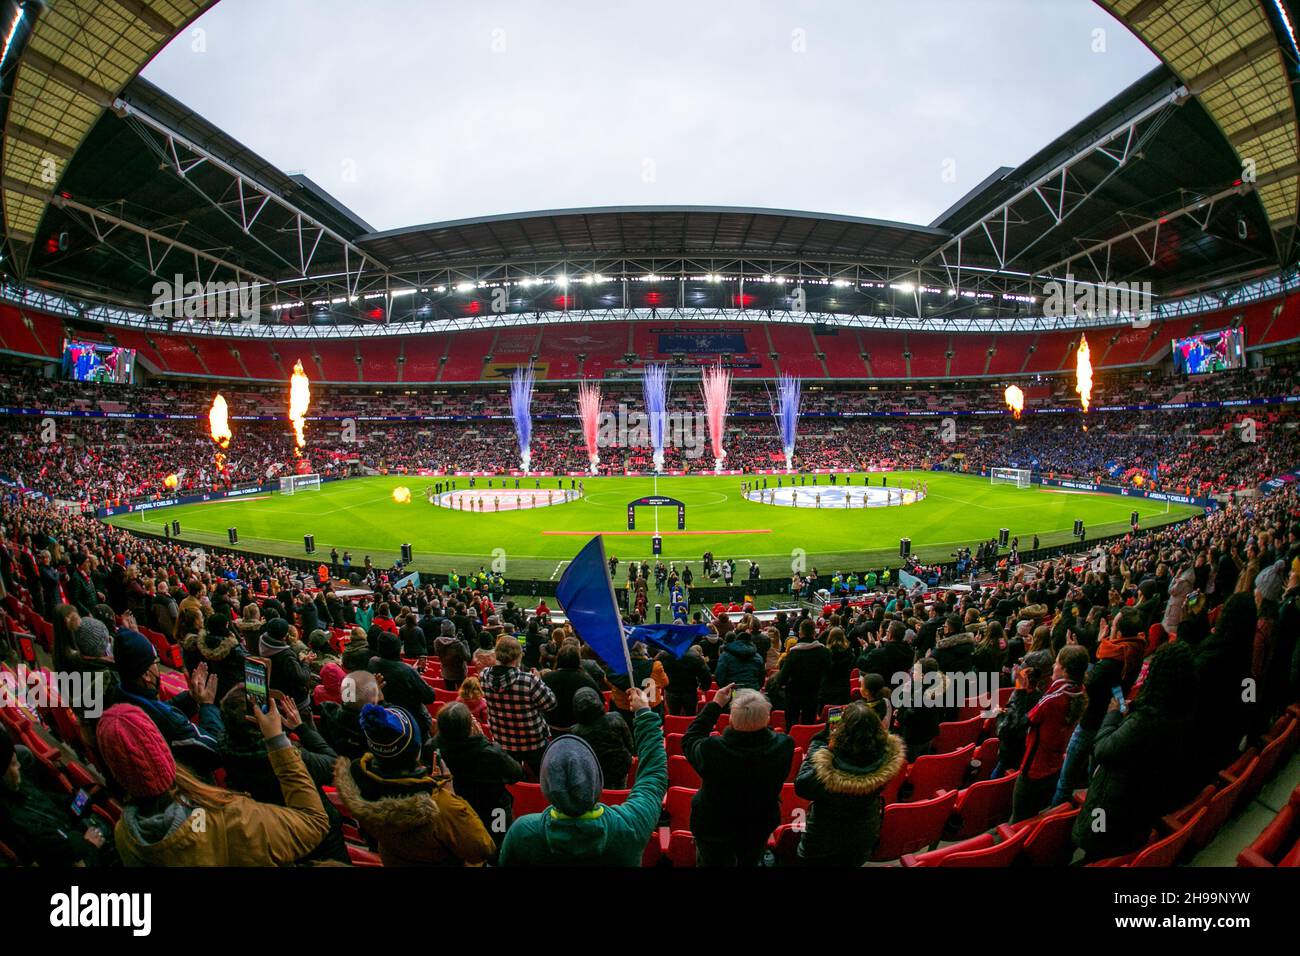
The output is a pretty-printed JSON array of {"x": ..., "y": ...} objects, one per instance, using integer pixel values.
[
  {"x": 98, "y": 362},
  {"x": 1211, "y": 352}
]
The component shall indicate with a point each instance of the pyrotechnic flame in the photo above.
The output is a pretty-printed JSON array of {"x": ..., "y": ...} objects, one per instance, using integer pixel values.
[
  {"x": 299, "y": 399},
  {"x": 589, "y": 415},
  {"x": 1015, "y": 399},
  {"x": 1083, "y": 373},
  {"x": 402, "y": 495},
  {"x": 219, "y": 422},
  {"x": 170, "y": 482}
]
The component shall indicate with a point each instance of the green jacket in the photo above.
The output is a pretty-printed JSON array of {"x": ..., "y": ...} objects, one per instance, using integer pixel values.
[{"x": 605, "y": 836}]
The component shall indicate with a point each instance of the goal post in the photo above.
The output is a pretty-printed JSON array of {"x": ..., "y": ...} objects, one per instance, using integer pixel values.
[
  {"x": 1010, "y": 476},
  {"x": 295, "y": 483}
]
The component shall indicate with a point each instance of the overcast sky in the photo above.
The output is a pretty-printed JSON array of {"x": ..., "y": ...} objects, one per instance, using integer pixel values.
[{"x": 415, "y": 111}]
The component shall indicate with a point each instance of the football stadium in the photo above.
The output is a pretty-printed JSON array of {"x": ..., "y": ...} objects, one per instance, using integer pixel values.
[{"x": 618, "y": 512}]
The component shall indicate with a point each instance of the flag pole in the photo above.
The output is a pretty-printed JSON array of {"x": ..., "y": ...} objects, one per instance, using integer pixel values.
[{"x": 622, "y": 631}]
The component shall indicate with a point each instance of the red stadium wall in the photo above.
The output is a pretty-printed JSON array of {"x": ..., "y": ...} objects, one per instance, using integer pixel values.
[{"x": 589, "y": 350}]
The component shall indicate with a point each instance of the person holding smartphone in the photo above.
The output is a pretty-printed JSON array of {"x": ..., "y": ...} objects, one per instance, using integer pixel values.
[
  {"x": 42, "y": 826},
  {"x": 172, "y": 818}
]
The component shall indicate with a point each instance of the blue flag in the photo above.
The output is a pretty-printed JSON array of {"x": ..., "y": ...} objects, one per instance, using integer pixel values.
[
  {"x": 673, "y": 638},
  {"x": 586, "y": 594}
]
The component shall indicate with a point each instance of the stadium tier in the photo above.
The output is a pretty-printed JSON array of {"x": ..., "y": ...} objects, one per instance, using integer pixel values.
[
  {"x": 658, "y": 536},
  {"x": 564, "y": 352}
]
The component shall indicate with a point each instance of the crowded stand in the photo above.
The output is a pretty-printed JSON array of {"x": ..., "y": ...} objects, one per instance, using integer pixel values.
[
  {"x": 1180, "y": 447},
  {"x": 412, "y": 724}
]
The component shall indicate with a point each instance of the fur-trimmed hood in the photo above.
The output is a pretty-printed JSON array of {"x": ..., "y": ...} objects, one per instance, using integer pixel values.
[
  {"x": 954, "y": 640},
  {"x": 841, "y": 777},
  {"x": 198, "y": 642},
  {"x": 385, "y": 813}
]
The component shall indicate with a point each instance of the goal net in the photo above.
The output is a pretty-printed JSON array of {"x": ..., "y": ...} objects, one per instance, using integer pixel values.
[
  {"x": 1010, "y": 476},
  {"x": 296, "y": 483}
]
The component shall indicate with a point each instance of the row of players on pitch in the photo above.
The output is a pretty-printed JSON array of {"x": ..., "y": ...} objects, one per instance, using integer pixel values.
[{"x": 760, "y": 487}]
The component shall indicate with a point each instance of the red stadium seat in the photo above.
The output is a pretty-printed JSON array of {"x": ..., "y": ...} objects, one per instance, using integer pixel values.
[
  {"x": 936, "y": 857},
  {"x": 793, "y": 807},
  {"x": 1277, "y": 841},
  {"x": 1163, "y": 852},
  {"x": 803, "y": 733},
  {"x": 908, "y": 827},
  {"x": 986, "y": 754},
  {"x": 682, "y": 774},
  {"x": 1218, "y": 805},
  {"x": 957, "y": 734},
  {"x": 1049, "y": 840},
  {"x": 681, "y": 848},
  {"x": 528, "y": 798},
  {"x": 930, "y": 774},
  {"x": 984, "y": 805},
  {"x": 677, "y": 802}
]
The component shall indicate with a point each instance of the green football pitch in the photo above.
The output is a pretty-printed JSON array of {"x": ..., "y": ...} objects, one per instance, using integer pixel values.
[{"x": 361, "y": 516}]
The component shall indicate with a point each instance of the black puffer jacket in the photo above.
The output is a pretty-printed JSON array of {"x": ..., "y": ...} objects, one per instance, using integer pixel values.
[
  {"x": 955, "y": 653},
  {"x": 843, "y": 824},
  {"x": 480, "y": 771},
  {"x": 742, "y": 773},
  {"x": 1141, "y": 773},
  {"x": 740, "y": 664}
]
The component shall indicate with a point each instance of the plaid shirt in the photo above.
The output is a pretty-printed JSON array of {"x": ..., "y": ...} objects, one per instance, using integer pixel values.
[{"x": 517, "y": 702}]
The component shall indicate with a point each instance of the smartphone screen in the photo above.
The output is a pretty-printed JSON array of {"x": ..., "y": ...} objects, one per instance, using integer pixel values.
[
  {"x": 257, "y": 682},
  {"x": 80, "y": 802},
  {"x": 833, "y": 714}
]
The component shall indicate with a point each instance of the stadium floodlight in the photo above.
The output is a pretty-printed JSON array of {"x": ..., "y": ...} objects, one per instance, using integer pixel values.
[
  {"x": 562, "y": 280},
  {"x": 906, "y": 288},
  {"x": 651, "y": 278},
  {"x": 464, "y": 287}
]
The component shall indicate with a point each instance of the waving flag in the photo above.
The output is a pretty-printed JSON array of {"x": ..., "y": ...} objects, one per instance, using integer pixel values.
[
  {"x": 673, "y": 638},
  {"x": 586, "y": 594}
]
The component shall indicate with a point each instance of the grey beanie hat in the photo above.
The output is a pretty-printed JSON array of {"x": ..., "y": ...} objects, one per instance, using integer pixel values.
[
  {"x": 571, "y": 777},
  {"x": 1271, "y": 582},
  {"x": 448, "y": 627}
]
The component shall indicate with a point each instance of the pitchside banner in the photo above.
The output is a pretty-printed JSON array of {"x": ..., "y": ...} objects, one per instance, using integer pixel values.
[
  {"x": 1126, "y": 492},
  {"x": 196, "y": 498},
  {"x": 928, "y": 413}
]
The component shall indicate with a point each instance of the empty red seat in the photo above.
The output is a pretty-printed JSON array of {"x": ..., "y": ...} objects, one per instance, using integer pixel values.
[
  {"x": 682, "y": 774},
  {"x": 528, "y": 798},
  {"x": 1219, "y": 805},
  {"x": 908, "y": 827},
  {"x": 935, "y": 857},
  {"x": 803, "y": 733},
  {"x": 1049, "y": 837},
  {"x": 955, "y": 735},
  {"x": 673, "y": 745},
  {"x": 794, "y": 808},
  {"x": 986, "y": 755},
  {"x": 930, "y": 774},
  {"x": 1163, "y": 852},
  {"x": 681, "y": 848},
  {"x": 678, "y": 804},
  {"x": 677, "y": 724},
  {"x": 1278, "y": 841},
  {"x": 984, "y": 805}
]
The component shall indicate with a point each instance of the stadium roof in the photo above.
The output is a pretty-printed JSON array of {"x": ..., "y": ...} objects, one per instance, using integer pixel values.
[{"x": 1149, "y": 188}]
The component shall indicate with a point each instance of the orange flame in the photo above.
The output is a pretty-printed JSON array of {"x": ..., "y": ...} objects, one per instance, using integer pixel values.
[
  {"x": 299, "y": 399},
  {"x": 170, "y": 482},
  {"x": 1015, "y": 399},
  {"x": 1083, "y": 372},
  {"x": 219, "y": 422},
  {"x": 402, "y": 495}
]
